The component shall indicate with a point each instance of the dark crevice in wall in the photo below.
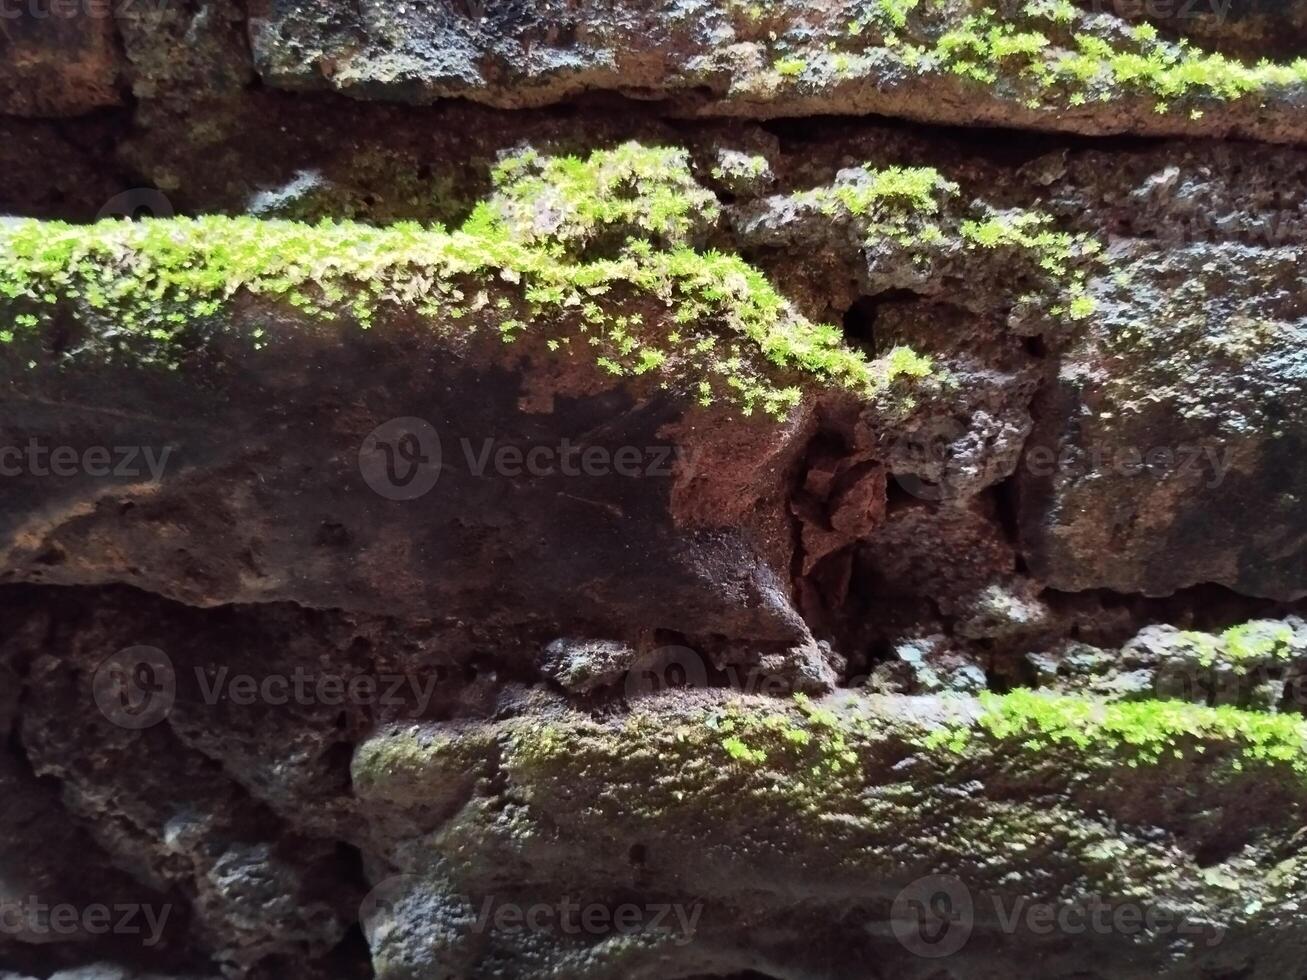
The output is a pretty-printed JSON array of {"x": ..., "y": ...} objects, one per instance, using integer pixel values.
[
  {"x": 1005, "y": 495},
  {"x": 1002, "y": 146},
  {"x": 859, "y": 320},
  {"x": 1210, "y": 608}
]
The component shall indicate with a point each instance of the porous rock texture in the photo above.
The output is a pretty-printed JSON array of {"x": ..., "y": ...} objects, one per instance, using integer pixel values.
[{"x": 682, "y": 489}]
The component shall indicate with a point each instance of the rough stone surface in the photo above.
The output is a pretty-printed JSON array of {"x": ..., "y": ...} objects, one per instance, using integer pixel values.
[
  {"x": 582, "y": 665},
  {"x": 1024, "y": 622},
  {"x": 848, "y": 855},
  {"x": 725, "y": 58},
  {"x": 1162, "y": 429}
]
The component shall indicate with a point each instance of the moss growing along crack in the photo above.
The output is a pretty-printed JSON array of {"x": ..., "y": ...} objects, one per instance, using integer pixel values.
[
  {"x": 1050, "y": 53},
  {"x": 650, "y": 304}
]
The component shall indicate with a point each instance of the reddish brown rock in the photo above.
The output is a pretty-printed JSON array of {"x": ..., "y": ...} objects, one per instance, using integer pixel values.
[{"x": 58, "y": 59}]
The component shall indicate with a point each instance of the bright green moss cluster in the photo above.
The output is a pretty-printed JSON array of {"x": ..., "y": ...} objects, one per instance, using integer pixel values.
[
  {"x": 825, "y": 745},
  {"x": 631, "y": 191},
  {"x": 1053, "y": 54},
  {"x": 1057, "y": 253},
  {"x": 1243, "y": 646},
  {"x": 814, "y": 743},
  {"x": 889, "y": 190},
  {"x": 1135, "y": 732},
  {"x": 918, "y": 209},
  {"x": 648, "y": 304},
  {"x": 1259, "y": 641}
]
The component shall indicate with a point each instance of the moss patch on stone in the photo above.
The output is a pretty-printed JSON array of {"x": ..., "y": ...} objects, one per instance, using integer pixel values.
[
  {"x": 1132, "y": 733},
  {"x": 647, "y": 304},
  {"x": 819, "y": 757},
  {"x": 918, "y": 210},
  {"x": 632, "y": 191},
  {"x": 841, "y": 801},
  {"x": 1243, "y": 647},
  {"x": 842, "y": 788},
  {"x": 1048, "y": 53}
]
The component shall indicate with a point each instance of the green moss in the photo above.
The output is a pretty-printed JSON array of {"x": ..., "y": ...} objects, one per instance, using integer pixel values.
[
  {"x": 739, "y": 751},
  {"x": 741, "y": 166},
  {"x": 632, "y": 190},
  {"x": 847, "y": 786},
  {"x": 912, "y": 189},
  {"x": 918, "y": 209},
  {"x": 1057, "y": 54},
  {"x": 790, "y": 67},
  {"x": 648, "y": 304},
  {"x": 1241, "y": 647},
  {"x": 1258, "y": 641},
  {"x": 896, "y": 11},
  {"x": 1129, "y": 732}
]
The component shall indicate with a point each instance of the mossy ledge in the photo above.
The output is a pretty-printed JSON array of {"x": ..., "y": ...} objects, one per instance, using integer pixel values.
[
  {"x": 1020, "y": 792},
  {"x": 1136, "y": 733},
  {"x": 650, "y": 303},
  {"x": 1048, "y": 54}
]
